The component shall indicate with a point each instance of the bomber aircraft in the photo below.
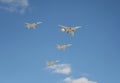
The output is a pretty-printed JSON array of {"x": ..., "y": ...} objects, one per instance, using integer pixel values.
[
  {"x": 63, "y": 47},
  {"x": 70, "y": 30},
  {"x": 32, "y": 25},
  {"x": 52, "y": 63}
]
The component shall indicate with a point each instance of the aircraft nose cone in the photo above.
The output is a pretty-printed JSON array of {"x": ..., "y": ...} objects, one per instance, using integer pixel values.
[{"x": 63, "y": 30}]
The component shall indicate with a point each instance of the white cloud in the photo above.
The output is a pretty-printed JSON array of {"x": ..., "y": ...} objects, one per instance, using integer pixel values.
[
  {"x": 61, "y": 68},
  {"x": 79, "y": 80},
  {"x": 14, "y": 5}
]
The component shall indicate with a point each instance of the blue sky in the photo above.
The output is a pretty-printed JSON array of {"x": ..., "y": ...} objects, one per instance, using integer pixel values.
[{"x": 94, "y": 56}]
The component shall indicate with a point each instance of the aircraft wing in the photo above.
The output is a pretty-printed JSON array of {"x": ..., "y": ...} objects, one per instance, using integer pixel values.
[
  {"x": 62, "y": 26},
  {"x": 57, "y": 61},
  {"x": 39, "y": 22},
  {"x": 77, "y": 27},
  {"x": 69, "y": 44},
  {"x": 27, "y": 25}
]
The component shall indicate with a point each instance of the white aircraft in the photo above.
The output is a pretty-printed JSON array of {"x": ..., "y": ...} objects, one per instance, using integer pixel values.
[
  {"x": 52, "y": 63},
  {"x": 70, "y": 30},
  {"x": 63, "y": 47},
  {"x": 32, "y": 25}
]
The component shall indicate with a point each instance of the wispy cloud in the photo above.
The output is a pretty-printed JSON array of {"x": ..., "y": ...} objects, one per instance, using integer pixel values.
[
  {"x": 79, "y": 80},
  {"x": 61, "y": 68},
  {"x": 84, "y": 74},
  {"x": 14, "y": 5}
]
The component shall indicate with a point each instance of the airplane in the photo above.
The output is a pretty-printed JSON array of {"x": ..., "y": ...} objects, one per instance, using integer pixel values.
[
  {"x": 63, "y": 47},
  {"x": 32, "y": 25},
  {"x": 52, "y": 63},
  {"x": 70, "y": 30}
]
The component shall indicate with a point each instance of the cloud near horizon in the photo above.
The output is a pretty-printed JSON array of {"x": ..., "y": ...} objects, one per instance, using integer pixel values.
[
  {"x": 61, "y": 69},
  {"x": 14, "y": 5},
  {"x": 79, "y": 80}
]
